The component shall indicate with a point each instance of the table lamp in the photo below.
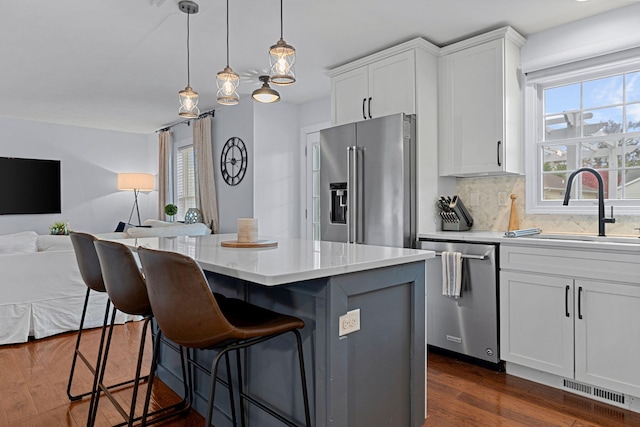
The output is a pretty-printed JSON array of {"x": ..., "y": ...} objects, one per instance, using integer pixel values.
[{"x": 136, "y": 182}]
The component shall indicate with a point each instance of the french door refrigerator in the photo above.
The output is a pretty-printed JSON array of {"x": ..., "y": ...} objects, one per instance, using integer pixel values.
[{"x": 368, "y": 182}]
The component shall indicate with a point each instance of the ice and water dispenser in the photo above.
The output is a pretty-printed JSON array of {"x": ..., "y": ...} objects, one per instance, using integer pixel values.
[{"x": 338, "y": 213}]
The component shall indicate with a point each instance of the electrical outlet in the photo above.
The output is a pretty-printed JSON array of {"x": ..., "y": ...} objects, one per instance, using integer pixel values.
[
  {"x": 349, "y": 322},
  {"x": 502, "y": 198}
]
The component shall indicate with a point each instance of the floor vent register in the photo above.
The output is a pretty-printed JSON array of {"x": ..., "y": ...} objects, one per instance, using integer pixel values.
[{"x": 598, "y": 393}]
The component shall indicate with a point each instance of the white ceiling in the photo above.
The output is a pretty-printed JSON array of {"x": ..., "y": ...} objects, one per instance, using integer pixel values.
[{"x": 119, "y": 64}]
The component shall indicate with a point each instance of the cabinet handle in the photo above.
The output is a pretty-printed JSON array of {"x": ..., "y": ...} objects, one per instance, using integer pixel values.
[
  {"x": 364, "y": 116},
  {"x": 370, "y": 108},
  {"x": 580, "y": 302},
  {"x": 498, "y": 152},
  {"x": 566, "y": 301}
]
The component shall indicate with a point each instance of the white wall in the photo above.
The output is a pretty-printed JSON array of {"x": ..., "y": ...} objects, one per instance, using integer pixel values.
[
  {"x": 90, "y": 161},
  {"x": 277, "y": 180},
  {"x": 314, "y": 112},
  {"x": 597, "y": 35},
  {"x": 234, "y": 201}
]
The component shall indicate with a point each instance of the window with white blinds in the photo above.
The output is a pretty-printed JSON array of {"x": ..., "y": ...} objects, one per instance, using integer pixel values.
[{"x": 185, "y": 181}]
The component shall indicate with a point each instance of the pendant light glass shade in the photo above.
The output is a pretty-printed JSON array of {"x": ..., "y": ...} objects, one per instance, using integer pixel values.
[
  {"x": 227, "y": 80},
  {"x": 188, "y": 103},
  {"x": 282, "y": 57},
  {"x": 188, "y": 97},
  {"x": 265, "y": 94}
]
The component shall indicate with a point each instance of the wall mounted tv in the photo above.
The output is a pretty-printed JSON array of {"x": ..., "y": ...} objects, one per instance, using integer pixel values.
[{"x": 29, "y": 186}]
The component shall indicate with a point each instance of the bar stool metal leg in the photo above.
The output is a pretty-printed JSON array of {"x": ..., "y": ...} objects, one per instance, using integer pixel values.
[
  {"x": 187, "y": 380},
  {"x": 243, "y": 345},
  {"x": 166, "y": 412}
]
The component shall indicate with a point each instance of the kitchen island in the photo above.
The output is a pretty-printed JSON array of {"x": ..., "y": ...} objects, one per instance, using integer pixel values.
[{"x": 374, "y": 376}]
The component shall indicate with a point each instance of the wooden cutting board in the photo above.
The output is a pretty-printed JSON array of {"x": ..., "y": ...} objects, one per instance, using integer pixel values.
[{"x": 258, "y": 244}]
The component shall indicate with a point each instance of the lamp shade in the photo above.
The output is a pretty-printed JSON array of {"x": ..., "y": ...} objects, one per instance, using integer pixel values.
[{"x": 136, "y": 181}]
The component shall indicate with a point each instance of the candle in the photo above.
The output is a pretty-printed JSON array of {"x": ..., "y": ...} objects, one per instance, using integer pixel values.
[{"x": 247, "y": 230}]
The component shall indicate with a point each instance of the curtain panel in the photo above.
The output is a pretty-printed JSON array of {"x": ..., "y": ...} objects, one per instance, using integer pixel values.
[
  {"x": 207, "y": 200},
  {"x": 164, "y": 162}
]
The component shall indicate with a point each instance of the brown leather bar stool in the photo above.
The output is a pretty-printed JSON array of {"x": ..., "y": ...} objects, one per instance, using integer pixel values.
[
  {"x": 127, "y": 291},
  {"x": 91, "y": 273},
  {"x": 188, "y": 313}
]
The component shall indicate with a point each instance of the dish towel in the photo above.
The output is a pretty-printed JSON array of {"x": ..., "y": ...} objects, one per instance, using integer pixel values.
[{"x": 451, "y": 274}]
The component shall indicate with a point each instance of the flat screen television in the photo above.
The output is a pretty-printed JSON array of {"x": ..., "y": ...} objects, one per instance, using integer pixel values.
[{"x": 29, "y": 186}]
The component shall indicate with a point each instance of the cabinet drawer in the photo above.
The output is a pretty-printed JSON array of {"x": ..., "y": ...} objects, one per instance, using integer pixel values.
[{"x": 571, "y": 262}]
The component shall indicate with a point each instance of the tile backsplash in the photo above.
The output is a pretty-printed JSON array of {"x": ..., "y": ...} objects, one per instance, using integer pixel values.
[{"x": 489, "y": 216}]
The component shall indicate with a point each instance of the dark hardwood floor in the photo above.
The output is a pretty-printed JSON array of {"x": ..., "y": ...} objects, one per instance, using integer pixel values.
[{"x": 33, "y": 381}]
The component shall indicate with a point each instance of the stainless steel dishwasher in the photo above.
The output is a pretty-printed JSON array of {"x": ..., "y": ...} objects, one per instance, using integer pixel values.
[{"x": 467, "y": 325}]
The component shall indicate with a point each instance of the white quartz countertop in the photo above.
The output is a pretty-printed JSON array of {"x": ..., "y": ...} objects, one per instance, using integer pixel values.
[
  {"x": 291, "y": 261},
  {"x": 573, "y": 241}
]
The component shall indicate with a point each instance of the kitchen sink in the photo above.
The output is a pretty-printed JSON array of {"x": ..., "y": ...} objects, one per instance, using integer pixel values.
[{"x": 588, "y": 238}]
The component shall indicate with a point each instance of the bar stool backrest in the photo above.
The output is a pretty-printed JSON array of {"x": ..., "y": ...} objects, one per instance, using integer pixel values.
[
  {"x": 87, "y": 258},
  {"x": 122, "y": 278},
  {"x": 183, "y": 304}
]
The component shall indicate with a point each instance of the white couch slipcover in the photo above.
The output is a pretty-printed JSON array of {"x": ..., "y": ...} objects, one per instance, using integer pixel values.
[{"x": 42, "y": 292}]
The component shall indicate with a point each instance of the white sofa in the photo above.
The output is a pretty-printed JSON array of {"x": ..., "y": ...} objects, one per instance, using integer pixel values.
[{"x": 41, "y": 290}]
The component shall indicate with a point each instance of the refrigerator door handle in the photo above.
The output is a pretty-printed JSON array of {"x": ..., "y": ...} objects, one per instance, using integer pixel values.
[
  {"x": 352, "y": 183},
  {"x": 354, "y": 192},
  {"x": 349, "y": 189}
]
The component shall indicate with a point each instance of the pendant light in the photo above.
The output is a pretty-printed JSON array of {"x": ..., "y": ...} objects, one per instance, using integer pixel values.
[
  {"x": 227, "y": 80},
  {"x": 282, "y": 56},
  {"x": 188, "y": 97},
  {"x": 265, "y": 94}
]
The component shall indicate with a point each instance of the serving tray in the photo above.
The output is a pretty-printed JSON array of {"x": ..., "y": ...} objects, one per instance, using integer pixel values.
[{"x": 258, "y": 244}]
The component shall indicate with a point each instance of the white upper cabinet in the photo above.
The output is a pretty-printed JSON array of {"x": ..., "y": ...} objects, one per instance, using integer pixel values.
[
  {"x": 376, "y": 86},
  {"x": 480, "y": 105},
  {"x": 349, "y": 92}
]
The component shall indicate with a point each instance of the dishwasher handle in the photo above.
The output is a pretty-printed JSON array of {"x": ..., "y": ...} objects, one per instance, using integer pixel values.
[{"x": 468, "y": 256}]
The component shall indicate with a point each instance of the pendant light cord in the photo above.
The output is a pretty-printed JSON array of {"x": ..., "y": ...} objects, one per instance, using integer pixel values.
[
  {"x": 227, "y": 33},
  {"x": 281, "y": 25},
  {"x": 188, "y": 53}
]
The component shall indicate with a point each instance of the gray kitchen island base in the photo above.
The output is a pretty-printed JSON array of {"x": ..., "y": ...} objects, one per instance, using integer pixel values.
[{"x": 372, "y": 377}]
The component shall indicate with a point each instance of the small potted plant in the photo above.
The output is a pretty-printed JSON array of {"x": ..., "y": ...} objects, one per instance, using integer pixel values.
[
  {"x": 59, "y": 228},
  {"x": 171, "y": 210}
]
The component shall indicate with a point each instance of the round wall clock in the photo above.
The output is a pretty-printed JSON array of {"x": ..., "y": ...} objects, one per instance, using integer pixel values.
[{"x": 233, "y": 161}]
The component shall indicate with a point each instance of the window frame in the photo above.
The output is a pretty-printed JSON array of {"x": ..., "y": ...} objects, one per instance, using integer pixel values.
[
  {"x": 535, "y": 83},
  {"x": 177, "y": 146}
]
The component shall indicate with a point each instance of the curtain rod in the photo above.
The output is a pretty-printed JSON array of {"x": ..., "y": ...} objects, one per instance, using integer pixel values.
[{"x": 187, "y": 121}]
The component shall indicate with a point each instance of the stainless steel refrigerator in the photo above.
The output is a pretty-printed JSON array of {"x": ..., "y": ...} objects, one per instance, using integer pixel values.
[{"x": 368, "y": 182}]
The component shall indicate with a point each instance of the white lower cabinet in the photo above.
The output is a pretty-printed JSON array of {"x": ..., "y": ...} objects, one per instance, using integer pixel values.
[
  {"x": 534, "y": 328},
  {"x": 582, "y": 329},
  {"x": 607, "y": 335}
]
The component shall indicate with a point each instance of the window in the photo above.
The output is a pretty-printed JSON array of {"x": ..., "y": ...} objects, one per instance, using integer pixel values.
[
  {"x": 585, "y": 118},
  {"x": 184, "y": 188}
]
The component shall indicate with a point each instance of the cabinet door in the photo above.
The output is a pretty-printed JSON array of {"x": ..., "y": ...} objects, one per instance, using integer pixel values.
[
  {"x": 536, "y": 322},
  {"x": 473, "y": 110},
  {"x": 392, "y": 86},
  {"x": 349, "y": 95},
  {"x": 608, "y": 335}
]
